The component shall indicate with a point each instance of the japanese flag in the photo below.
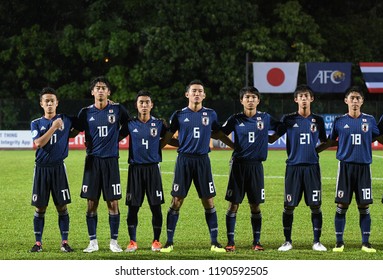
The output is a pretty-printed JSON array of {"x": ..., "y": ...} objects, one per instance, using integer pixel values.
[{"x": 275, "y": 77}]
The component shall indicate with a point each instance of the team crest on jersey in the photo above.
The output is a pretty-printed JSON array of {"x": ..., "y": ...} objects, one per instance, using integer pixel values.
[
  {"x": 34, "y": 197},
  {"x": 111, "y": 118},
  {"x": 364, "y": 127},
  {"x": 260, "y": 125},
  {"x": 313, "y": 127},
  {"x": 84, "y": 188},
  {"x": 340, "y": 194},
  {"x": 205, "y": 120},
  {"x": 289, "y": 197},
  {"x": 153, "y": 131},
  {"x": 176, "y": 187}
]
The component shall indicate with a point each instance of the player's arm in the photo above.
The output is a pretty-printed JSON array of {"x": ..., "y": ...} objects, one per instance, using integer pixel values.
[
  {"x": 168, "y": 139},
  {"x": 219, "y": 135},
  {"x": 325, "y": 145},
  {"x": 44, "y": 139}
]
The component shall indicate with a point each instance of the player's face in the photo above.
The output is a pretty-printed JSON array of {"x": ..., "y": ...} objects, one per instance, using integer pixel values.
[
  {"x": 354, "y": 101},
  {"x": 49, "y": 103},
  {"x": 250, "y": 101},
  {"x": 100, "y": 92},
  {"x": 304, "y": 100},
  {"x": 144, "y": 105},
  {"x": 195, "y": 94}
]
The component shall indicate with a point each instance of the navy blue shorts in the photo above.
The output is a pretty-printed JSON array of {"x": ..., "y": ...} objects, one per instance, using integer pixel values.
[
  {"x": 353, "y": 178},
  {"x": 101, "y": 175},
  {"x": 144, "y": 179},
  {"x": 246, "y": 178},
  {"x": 190, "y": 168},
  {"x": 47, "y": 180},
  {"x": 301, "y": 179}
]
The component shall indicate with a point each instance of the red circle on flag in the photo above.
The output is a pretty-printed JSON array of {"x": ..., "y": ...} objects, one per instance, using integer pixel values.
[{"x": 275, "y": 77}]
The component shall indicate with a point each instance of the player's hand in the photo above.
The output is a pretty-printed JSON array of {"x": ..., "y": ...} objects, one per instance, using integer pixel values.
[{"x": 58, "y": 124}]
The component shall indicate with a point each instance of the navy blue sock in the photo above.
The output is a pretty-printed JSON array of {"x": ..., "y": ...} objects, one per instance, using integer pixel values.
[
  {"x": 38, "y": 225},
  {"x": 256, "y": 224},
  {"x": 132, "y": 222},
  {"x": 340, "y": 223},
  {"x": 171, "y": 223},
  {"x": 287, "y": 221},
  {"x": 365, "y": 223},
  {"x": 212, "y": 223},
  {"x": 231, "y": 218},
  {"x": 156, "y": 221},
  {"x": 91, "y": 222},
  {"x": 317, "y": 221},
  {"x": 63, "y": 220},
  {"x": 114, "y": 224}
]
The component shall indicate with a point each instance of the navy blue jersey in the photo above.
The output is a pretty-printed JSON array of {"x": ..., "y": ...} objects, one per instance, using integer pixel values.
[
  {"x": 56, "y": 150},
  {"x": 303, "y": 135},
  {"x": 250, "y": 134},
  {"x": 354, "y": 137},
  {"x": 102, "y": 129},
  {"x": 194, "y": 129},
  {"x": 144, "y": 140}
]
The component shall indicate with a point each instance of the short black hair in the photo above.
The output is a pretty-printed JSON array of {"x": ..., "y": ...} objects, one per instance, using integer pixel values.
[
  {"x": 48, "y": 90},
  {"x": 249, "y": 89},
  {"x": 194, "y": 82},
  {"x": 303, "y": 88},
  {"x": 354, "y": 89},
  {"x": 100, "y": 79},
  {"x": 143, "y": 92}
]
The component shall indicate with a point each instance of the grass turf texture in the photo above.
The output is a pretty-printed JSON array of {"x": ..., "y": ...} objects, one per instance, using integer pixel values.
[{"x": 191, "y": 237}]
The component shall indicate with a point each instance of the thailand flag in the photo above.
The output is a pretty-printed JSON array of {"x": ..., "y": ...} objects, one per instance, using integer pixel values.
[
  {"x": 275, "y": 77},
  {"x": 373, "y": 76}
]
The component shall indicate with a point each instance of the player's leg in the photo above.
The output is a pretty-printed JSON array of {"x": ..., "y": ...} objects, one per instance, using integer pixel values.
[
  {"x": 91, "y": 222},
  {"x": 256, "y": 225},
  {"x": 363, "y": 196},
  {"x": 231, "y": 218},
  {"x": 114, "y": 224},
  {"x": 157, "y": 226},
  {"x": 38, "y": 228},
  {"x": 313, "y": 198},
  {"x": 132, "y": 222},
  {"x": 292, "y": 196},
  {"x": 171, "y": 223},
  {"x": 63, "y": 222}
]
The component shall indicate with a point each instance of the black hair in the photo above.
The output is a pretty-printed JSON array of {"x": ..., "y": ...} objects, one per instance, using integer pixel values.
[
  {"x": 354, "y": 89},
  {"x": 194, "y": 82},
  {"x": 143, "y": 93},
  {"x": 48, "y": 90},
  {"x": 303, "y": 88},
  {"x": 100, "y": 79},
  {"x": 249, "y": 89}
]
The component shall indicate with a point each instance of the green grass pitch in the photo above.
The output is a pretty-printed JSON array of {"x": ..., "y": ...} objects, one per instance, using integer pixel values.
[{"x": 191, "y": 236}]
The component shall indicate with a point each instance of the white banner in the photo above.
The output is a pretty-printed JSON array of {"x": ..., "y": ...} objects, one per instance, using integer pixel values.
[{"x": 15, "y": 139}]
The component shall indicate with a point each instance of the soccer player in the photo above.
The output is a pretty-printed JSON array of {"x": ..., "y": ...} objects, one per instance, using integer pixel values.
[
  {"x": 353, "y": 133},
  {"x": 304, "y": 130},
  {"x": 250, "y": 129},
  {"x": 144, "y": 176},
  {"x": 194, "y": 124},
  {"x": 101, "y": 123},
  {"x": 50, "y": 134}
]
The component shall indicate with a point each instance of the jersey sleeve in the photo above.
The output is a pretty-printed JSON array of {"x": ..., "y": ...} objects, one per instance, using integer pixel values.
[
  {"x": 174, "y": 124},
  {"x": 228, "y": 126},
  {"x": 81, "y": 120},
  {"x": 322, "y": 130},
  {"x": 215, "y": 126},
  {"x": 334, "y": 133},
  {"x": 124, "y": 115},
  {"x": 35, "y": 130}
]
